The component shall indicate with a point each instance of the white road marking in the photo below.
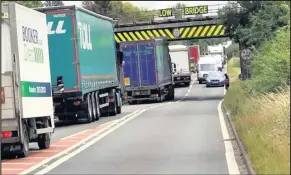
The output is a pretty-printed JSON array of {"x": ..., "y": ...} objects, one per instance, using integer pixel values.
[
  {"x": 86, "y": 145},
  {"x": 16, "y": 163},
  {"x": 70, "y": 148},
  {"x": 229, "y": 153},
  {"x": 108, "y": 123},
  {"x": 82, "y": 148}
]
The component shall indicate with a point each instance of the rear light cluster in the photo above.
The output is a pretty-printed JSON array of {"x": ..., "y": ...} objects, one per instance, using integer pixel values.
[
  {"x": 6, "y": 134},
  {"x": 111, "y": 100},
  {"x": 77, "y": 103}
]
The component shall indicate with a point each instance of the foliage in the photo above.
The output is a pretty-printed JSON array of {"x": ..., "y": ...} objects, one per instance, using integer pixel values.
[
  {"x": 178, "y": 10},
  {"x": 53, "y": 3},
  {"x": 124, "y": 11},
  {"x": 263, "y": 124},
  {"x": 29, "y": 4},
  {"x": 232, "y": 51},
  {"x": 271, "y": 64},
  {"x": 253, "y": 22},
  {"x": 260, "y": 106}
]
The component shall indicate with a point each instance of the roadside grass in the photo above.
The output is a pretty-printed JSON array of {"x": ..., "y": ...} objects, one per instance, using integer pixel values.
[
  {"x": 262, "y": 123},
  {"x": 233, "y": 69}
]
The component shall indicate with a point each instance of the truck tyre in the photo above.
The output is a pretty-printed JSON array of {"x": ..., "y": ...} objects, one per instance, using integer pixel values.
[
  {"x": 172, "y": 97},
  {"x": 44, "y": 141},
  {"x": 25, "y": 145},
  {"x": 114, "y": 112},
  {"x": 160, "y": 99},
  {"x": 89, "y": 109},
  {"x": 98, "y": 112},
  {"x": 119, "y": 107},
  {"x": 94, "y": 110},
  {"x": 132, "y": 102}
]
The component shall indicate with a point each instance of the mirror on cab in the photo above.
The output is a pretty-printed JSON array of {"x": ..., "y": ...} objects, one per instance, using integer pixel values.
[
  {"x": 174, "y": 67},
  {"x": 120, "y": 58}
]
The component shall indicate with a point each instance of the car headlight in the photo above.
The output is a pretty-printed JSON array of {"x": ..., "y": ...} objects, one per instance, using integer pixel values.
[{"x": 207, "y": 80}]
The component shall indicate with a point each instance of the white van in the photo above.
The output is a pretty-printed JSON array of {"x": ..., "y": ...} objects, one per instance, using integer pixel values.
[{"x": 206, "y": 64}]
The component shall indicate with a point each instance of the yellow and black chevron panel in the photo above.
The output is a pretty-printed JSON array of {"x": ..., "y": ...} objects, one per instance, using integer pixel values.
[
  {"x": 207, "y": 31},
  {"x": 143, "y": 35}
]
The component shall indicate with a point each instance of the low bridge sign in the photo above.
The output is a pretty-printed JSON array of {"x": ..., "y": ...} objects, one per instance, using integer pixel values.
[{"x": 196, "y": 10}]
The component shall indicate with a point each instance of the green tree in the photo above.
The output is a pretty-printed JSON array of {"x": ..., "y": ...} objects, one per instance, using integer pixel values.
[
  {"x": 178, "y": 10},
  {"x": 253, "y": 22},
  {"x": 126, "y": 12},
  {"x": 53, "y": 3},
  {"x": 29, "y": 4}
]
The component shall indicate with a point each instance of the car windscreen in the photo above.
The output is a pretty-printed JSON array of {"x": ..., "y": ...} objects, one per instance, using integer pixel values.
[{"x": 207, "y": 67}]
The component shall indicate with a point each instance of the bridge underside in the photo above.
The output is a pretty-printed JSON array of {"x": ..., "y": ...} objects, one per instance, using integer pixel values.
[{"x": 171, "y": 33}]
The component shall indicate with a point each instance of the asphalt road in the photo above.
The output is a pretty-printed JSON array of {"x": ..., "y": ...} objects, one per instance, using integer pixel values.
[{"x": 182, "y": 137}]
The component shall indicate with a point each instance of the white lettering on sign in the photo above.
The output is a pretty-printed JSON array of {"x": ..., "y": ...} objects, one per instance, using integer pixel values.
[
  {"x": 59, "y": 15},
  {"x": 85, "y": 36},
  {"x": 37, "y": 89},
  {"x": 59, "y": 29}
]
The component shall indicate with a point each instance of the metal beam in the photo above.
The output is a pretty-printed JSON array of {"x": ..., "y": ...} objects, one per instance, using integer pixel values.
[
  {"x": 168, "y": 25},
  {"x": 179, "y": 33}
]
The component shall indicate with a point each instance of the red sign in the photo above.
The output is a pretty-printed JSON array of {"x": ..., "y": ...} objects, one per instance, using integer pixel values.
[{"x": 2, "y": 96}]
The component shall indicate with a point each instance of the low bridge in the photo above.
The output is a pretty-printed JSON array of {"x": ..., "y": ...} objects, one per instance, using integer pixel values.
[{"x": 172, "y": 25}]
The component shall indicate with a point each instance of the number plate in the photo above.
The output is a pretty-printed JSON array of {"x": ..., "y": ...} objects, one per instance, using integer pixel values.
[
  {"x": 137, "y": 93},
  {"x": 178, "y": 78},
  {"x": 126, "y": 81}
]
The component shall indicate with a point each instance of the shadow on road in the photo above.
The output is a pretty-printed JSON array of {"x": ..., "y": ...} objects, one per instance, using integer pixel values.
[{"x": 201, "y": 98}]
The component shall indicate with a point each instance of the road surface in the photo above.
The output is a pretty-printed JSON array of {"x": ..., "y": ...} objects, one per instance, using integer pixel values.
[{"x": 181, "y": 137}]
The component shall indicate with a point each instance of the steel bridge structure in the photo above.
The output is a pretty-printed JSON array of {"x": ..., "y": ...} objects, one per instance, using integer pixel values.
[{"x": 176, "y": 27}]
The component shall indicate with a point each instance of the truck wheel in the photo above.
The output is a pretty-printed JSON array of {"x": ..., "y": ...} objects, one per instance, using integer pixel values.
[
  {"x": 132, "y": 102},
  {"x": 25, "y": 145},
  {"x": 98, "y": 112},
  {"x": 172, "y": 97},
  {"x": 160, "y": 99},
  {"x": 89, "y": 108},
  {"x": 94, "y": 110},
  {"x": 44, "y": 141},
  {"x": 119, "y": 107},
  {"x": 114, "y": 112}
]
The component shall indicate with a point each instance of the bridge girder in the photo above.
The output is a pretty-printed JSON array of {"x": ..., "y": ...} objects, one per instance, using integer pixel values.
[{"x": 172, "y": 31}]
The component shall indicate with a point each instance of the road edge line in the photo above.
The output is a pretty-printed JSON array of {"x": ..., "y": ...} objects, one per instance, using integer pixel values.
[{"x": 229, "y": 152}]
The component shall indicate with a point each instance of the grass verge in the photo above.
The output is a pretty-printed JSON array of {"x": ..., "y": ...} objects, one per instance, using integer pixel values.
[{"x": 262, "y": 123}]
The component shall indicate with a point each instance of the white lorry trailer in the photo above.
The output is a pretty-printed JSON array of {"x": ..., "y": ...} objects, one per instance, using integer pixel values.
[
  {"x": 181, "y": 68},
  {"x": 27, "y": 105},
  {"x": 217, "y": 51}
]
